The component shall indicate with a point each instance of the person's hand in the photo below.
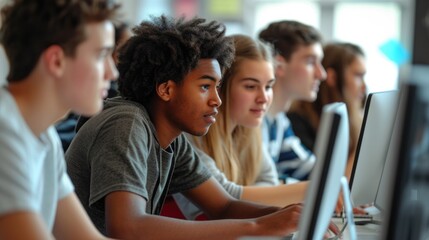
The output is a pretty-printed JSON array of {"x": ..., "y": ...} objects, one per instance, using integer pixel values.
[
  {"x": 360, "y": 210},
  {"x": 334, "y": 231},
  {"x": 281, "y": 223}
]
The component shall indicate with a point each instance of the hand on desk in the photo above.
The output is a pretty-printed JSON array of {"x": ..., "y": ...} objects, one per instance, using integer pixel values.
[
  {"x": 282, "y": 222},
  {"x": 359, "y": 210}
]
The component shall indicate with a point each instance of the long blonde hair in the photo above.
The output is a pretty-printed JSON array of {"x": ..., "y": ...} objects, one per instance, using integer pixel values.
[{"x": 237, "y": 155}]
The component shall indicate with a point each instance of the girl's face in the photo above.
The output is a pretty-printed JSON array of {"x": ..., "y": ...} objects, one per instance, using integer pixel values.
[
  {"x": 251, "y": 92},
  {"x": 354, "y": 86}
]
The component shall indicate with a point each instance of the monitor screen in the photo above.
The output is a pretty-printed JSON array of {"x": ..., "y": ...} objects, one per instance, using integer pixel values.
[
  {"x": 381, "y": 198},
  {"x": 372, "y": 145},
  {"x": 407, "y": 215},
  {"x": 331, "y": 152}
]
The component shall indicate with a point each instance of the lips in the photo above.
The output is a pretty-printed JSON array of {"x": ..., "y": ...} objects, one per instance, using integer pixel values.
[
  {"x": 316, "y": 86},
  {"x": 258, "y": 111},
  {"x": 105, "y": 90},
  {"x": 104, "y": 93},
  {"x": 210, "y": 118}
]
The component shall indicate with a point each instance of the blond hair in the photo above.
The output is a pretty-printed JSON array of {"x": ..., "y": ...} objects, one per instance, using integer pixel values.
[{"x": 237, "y": 155}]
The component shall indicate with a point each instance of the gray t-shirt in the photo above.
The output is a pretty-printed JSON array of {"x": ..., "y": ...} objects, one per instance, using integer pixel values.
[
  {"x": 32, "y": 168},
  {"x": 117, "y": 150}
]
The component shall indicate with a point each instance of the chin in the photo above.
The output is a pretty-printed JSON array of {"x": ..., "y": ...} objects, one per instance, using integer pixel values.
[
  {"x": 90, "y": 111},
  {"x": 312, "y": 97},
  {"x": 253, "y": 124},
  {"x": 199, "y": 133}
]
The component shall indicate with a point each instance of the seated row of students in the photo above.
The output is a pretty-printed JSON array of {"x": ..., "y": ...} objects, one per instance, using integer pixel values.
[
  {"x": 124, "y": 161},
  {"x": 234, "y": 142}
]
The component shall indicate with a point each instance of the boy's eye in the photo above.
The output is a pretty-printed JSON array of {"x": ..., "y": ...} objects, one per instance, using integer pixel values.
[
  {"x": 268, "y": 87},
  {"x": 311, "y": 62},
  {"x": 249, "y": 86},
  {"x": 205, "y": 87},
  {"x": 103, "y": 54}
]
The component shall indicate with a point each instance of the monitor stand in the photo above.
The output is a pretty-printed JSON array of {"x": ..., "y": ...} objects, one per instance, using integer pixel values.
[{"x": 348, "y": 208}]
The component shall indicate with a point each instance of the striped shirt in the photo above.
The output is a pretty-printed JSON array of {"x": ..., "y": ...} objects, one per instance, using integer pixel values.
[{"x": 292, "y": 158}]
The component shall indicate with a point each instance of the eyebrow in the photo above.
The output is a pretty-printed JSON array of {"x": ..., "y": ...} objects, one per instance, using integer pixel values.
[
  {"x": 311, "y": 55},
  {"x": 209, "y": 78},
  {"x": 106, "y": 48},
  {"x": 256, "y": 80}
]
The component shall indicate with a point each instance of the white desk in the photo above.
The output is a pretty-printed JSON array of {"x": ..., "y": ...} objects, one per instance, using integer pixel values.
[{"x": 364, "y": 232}]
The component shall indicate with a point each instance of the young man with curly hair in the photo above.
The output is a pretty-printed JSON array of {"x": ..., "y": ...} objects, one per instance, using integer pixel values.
[
  {"x": 125, "y": 160},
  {"x": 60, "y": 59}
]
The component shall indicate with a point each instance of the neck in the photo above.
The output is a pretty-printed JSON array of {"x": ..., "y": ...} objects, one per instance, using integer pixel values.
[
  {"x": 36, "y": 109},
  {"x": 165, "y": 131},
  {"x": 232, "y": 127},
  {"x": 38, "y": 106},
  {"x": 281, "y": 103}
]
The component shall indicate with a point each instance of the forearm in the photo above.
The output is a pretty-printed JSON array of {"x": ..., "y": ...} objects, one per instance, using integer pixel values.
[
  {"x": 23, "y": 225},
  {"x": 280, "y": 195},
  {"x": 158, "y": 227},
  {"x": 245, "y": 209}
]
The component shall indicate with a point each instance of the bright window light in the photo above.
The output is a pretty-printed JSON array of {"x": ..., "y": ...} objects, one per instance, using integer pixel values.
[
  {"x": 370, "y": 25},
  {"x": 305, "y": 12}
]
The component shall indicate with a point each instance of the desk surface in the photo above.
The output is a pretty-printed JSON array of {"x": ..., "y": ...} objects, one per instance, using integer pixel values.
[{"x": 364, "y": 232}]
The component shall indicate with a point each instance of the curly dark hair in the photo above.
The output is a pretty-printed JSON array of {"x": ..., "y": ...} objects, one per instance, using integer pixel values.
[
  {"x": 287, "y": 35},
  {"x": 29, "y": 27},
  {"x": 167, "y": 49}
]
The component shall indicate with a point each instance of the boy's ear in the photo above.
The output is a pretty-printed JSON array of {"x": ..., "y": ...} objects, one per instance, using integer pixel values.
[
  {"x": 280, "y": 63},
  {"x": 331, "y": 77},
  {"x": 54, "y": 60},
  {"x": 165, "y": 90}
]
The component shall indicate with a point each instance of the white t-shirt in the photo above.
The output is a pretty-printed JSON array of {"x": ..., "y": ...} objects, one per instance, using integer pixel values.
[{"x": 32, "y": 169}]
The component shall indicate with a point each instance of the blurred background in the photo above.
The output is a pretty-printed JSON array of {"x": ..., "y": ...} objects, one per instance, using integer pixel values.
[{"x": 391, "y": 32}]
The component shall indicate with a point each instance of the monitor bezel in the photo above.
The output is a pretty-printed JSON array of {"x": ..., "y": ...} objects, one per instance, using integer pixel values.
[{"x": 331, "y": 152}]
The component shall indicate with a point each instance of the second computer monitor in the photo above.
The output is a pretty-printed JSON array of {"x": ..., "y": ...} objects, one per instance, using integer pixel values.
[
  {"x": 331, "y": 151},
  {"x": 374, "y": 139}
]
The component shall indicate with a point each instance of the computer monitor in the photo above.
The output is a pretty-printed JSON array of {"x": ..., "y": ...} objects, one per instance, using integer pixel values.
[
  {"x": 407, "y": 215},
  {"x": 374, "y": 138},
  {"x": 331, "y": 150},
  {"x": 381, "y": 199}
]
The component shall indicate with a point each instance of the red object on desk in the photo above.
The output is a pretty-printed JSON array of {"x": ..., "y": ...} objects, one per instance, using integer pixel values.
[{"x": 170, "y": 209}]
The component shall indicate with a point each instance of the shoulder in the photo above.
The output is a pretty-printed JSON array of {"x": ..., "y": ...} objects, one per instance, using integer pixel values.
[
  {"x": 10, "y": 117},
  {"x": 15, "y": 135},
  {"x": 296, "y": 118},
  {"x": 121, "y": 115}
]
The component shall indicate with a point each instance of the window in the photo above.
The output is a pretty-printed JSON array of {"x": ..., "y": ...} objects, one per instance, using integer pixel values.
[
  {"x": 370, "y": 25},
  {"x": 305, "y": 12}
]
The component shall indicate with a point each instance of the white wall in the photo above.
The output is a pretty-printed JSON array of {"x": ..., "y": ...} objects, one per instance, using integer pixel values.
[{"x": 135, "y": 11}]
